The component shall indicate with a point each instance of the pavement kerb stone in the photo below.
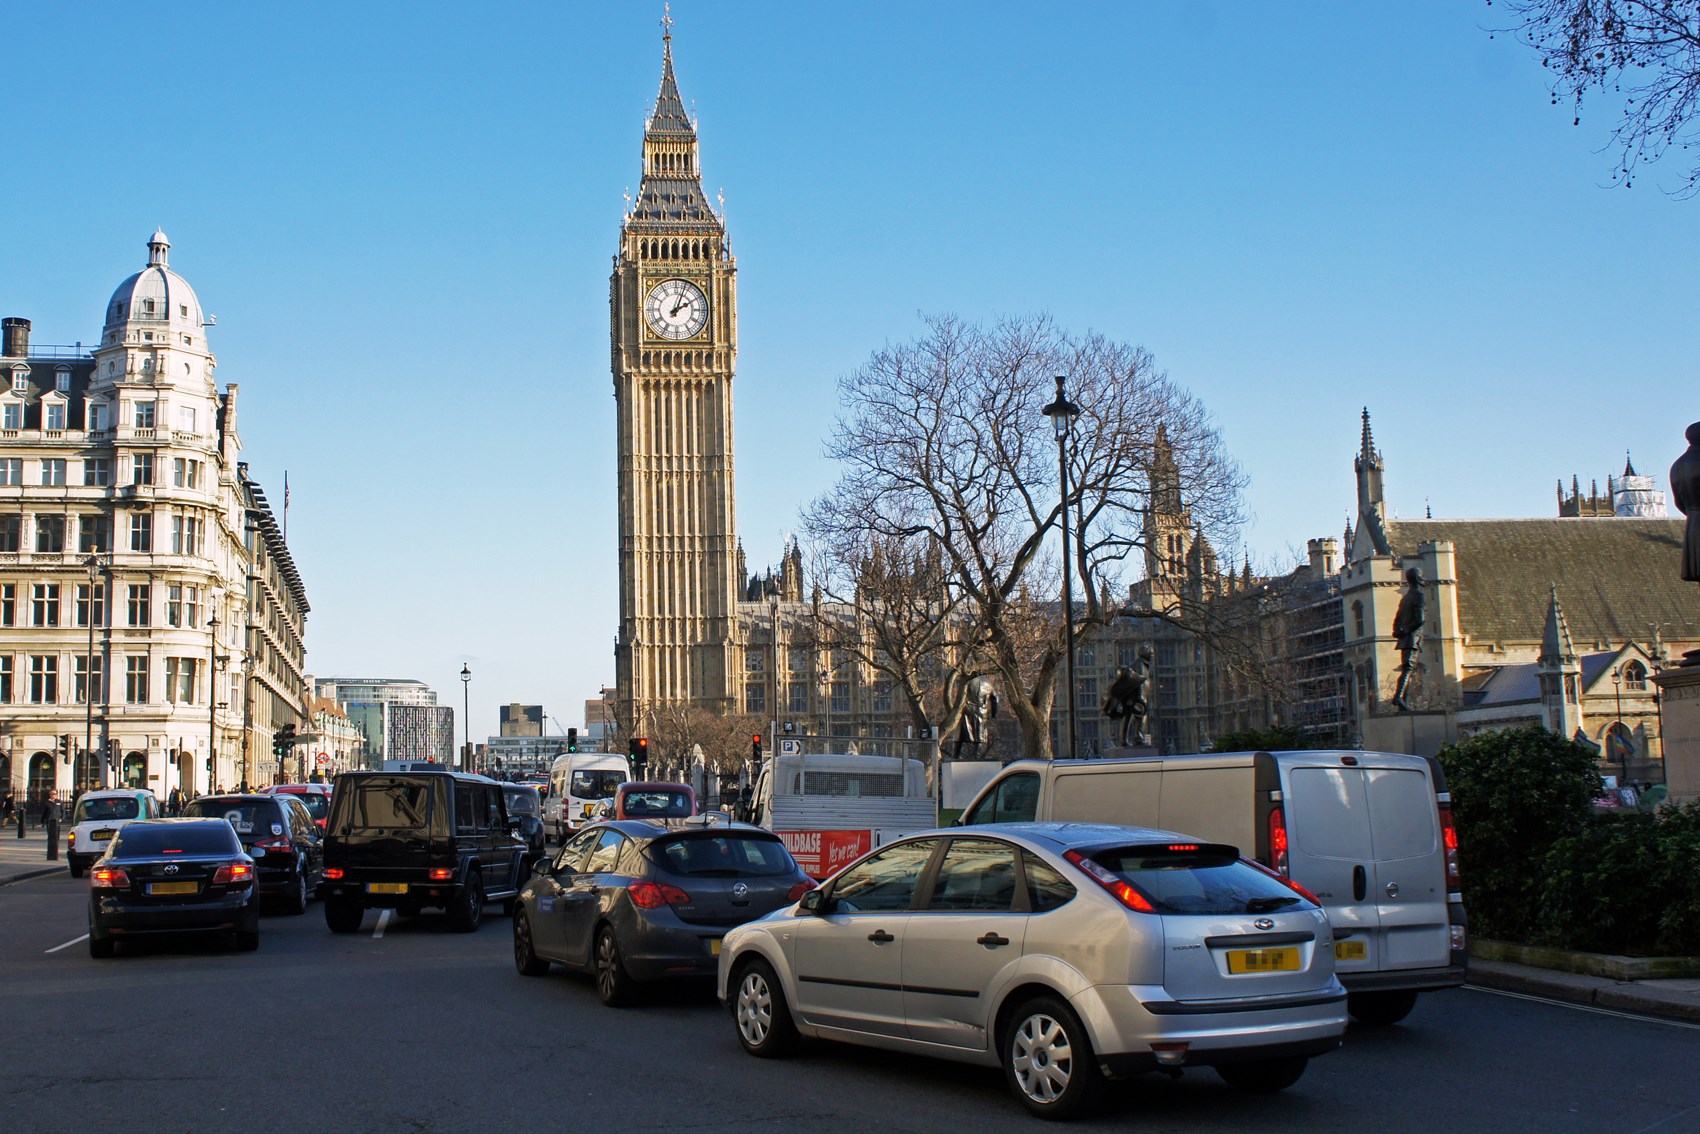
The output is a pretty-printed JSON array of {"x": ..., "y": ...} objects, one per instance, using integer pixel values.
[{"x": 1647, "y": 998}]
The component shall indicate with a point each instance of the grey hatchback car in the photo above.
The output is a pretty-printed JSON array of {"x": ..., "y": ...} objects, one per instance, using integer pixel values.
[
  {"x": 1061, "y": 951},
  {"x": 635, "y": 900}
]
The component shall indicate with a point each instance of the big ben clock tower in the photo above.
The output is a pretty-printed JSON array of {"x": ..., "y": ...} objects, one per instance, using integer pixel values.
[{"x": 674, "y": 305}]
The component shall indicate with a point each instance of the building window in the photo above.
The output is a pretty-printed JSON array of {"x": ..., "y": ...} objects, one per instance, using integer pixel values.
[
  {"x": 94, "y": 534},
  {"x": 54, "y": 416},
  {"x": 62, "y": 380},
  {"x": 798, "y": 699},
  {"x": 136, "y": 680},
  {"x": 755, "y": 697},
  {"x": 1357, "y": 619},
  {"x": 1086, "y": 692},
  {"x": 97, "y": 417},
  {"x": 141, "y": 466},
  {"x": 12, "y": 415},
  {"x": 53, "y": 473},
  {"x": 182, "y": 606},
  {"x": 11, "y": 533},
  {"x": 144, "y": 415},
  {"x": 20, "y": 381},
  {"x": 754, "y": 661},
  {"x": 1635, "y": 676},
  {"x": 91, "y": 603},
  {"x": 882, "y": 697},
  {"x": 185, "y": 473},
  {"x": 797, "y": 659},
  {"x": 12, "y": 470},
  {"x": 140, "y": 596},
  {"x": 186, "y": 419},
  {"x": 44, "y": 679},
  {"x": 180, "y": 680},
  {"x": 6, "y": 680},
  {"x": 49, "y": 532},
  {"x": 44, "y": 604},
  {"x": 1088, "y": 655},
  {"x": 840, "y": 697},
  {"x": 82, "y": 680},
  {"x": 97, "y": 471},
  {"x": 185, "y": 535},
  {"x": 8, "y": 604},
  {"x": 141, "y": 531}
]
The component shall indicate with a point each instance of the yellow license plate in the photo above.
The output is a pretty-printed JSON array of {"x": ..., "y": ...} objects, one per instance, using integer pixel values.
[
  {"x": 1263, "y": 960},
  {"x": 589, "y": 809},
  {"x": 386, "y": 887},
  {"x": 714, "y": 947},
  {"x": 101, "y": 836},
  {"x": 1350, "y": 950},
  {"x": 173, "y": 887}
]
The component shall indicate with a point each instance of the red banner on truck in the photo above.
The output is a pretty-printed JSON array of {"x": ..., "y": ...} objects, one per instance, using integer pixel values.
[{"x": 822, "y": 853}]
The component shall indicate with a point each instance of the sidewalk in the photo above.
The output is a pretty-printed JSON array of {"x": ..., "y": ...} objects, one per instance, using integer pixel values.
[
  {"x": 27, "y": 857},
  {"x": 1669, "y": 999}
]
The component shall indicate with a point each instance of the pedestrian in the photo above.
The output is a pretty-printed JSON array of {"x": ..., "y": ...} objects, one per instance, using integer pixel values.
[
  {"x": 174, "y": 802},
  {"x": 7, "y": 802},
  {"x": 50, "y": 816}
]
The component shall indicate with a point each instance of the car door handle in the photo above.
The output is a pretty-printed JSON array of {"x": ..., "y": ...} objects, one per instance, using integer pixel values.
[
  {"x": 1360, "y": 883},
  {"x": 880, "y": 937},
  {"x": 991, "y": 940}
]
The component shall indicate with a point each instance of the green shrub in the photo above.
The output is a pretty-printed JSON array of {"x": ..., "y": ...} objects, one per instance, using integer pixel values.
[
  {"x": 1278, "y": 738},
  {"x": 1515, "y": 795},
  {"x": 1600, "y": 890},
  {"x": 1678, "y": 900}
]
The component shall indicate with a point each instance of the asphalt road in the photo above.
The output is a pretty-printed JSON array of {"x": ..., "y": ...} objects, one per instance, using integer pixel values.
[{"x": 420, "y": 1029}]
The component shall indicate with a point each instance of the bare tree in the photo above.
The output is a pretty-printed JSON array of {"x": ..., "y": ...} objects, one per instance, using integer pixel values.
[
  {"x": 942, "y": 441},
  {"x": 678, "y": 728},
  {"x": 1646, "y": 51}
]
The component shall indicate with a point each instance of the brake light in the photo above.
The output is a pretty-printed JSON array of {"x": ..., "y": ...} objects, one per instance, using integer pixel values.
[
  {"x": 1121, "y": 891},
  {"x": 795, "y": 894},
  {"x": 334, "y": 873},
  {"x": 1278, "y": 840},
  {"x": 108, "y": 878},
  {"x": 1449, "y": 837},
  {"x": 233, "y": 872},
  {"x": 1285, "y": 881},
  {"x": 72, "y": 841},
  {"x": 441, "y": 874},
  {"x": 1182, "y": 847},
  {"x": 274, "y": 844},
  {"x": 654, "y": 895}
]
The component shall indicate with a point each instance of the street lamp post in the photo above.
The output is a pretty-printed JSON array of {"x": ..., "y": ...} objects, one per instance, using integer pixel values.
[
  {"x": 1062, "y": 413},
  {"x": 466, "y": 718},
  {"x": 93, "y": 564},
  {"x": 212, "y": 699},
  {"x": 1618, "y": 730}
]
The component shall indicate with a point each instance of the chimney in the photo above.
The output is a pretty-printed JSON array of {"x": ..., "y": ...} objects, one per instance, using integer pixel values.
[{"x": 16, "y": 335}]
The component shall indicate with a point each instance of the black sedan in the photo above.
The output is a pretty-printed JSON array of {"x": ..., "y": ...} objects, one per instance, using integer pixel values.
[
  {"x": 173, "y": 876},
  {"x": 635, "y": 900},
  {"x": 278, "y": 833}
]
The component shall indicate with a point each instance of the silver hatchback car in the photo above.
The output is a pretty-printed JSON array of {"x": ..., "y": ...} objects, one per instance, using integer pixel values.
[{"x": 1063, "y": 951}]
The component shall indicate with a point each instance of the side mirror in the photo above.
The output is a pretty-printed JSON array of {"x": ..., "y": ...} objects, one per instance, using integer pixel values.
[
  {"x": 514, "y": 825},
  {"x": 957, "y": 822},
  {"x": 815, "y": 903},
  {"x": 540, "y": 868}
]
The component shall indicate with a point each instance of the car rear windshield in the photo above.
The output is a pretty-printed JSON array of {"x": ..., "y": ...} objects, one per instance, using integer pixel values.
[
  {"x": 144, "y": 840},
  {"x": 658, "y": 805},
  {"x": 595, "y": 785},
  {"x": 389, "y": 802},
  {"x": 251, "y": 818},
  {"x": 523, "y": 803},
  {"x": 113, "y": 807},
  {"x": 317, "y": 803},
  {"x": 728, "y": 855},
  {"x": 1198, "y": 879}
]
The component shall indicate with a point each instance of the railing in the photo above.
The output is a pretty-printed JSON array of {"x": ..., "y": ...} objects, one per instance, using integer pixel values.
[{"x": 45, "y": 350}]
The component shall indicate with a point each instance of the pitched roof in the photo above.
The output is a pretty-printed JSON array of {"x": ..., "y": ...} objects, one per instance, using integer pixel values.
[{"x": 1618, "y": 576}]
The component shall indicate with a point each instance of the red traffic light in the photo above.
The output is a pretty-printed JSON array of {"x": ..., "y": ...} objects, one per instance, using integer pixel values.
[{"x": 756, "y": 739}]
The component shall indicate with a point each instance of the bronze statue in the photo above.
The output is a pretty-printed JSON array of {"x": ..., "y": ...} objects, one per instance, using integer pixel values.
[
  {"x": 1685, "y": 490},
  {"x": 1408, "y": 631},
  {"x": 1126, "y": 699},
  {"x": 980, "y": 707}
]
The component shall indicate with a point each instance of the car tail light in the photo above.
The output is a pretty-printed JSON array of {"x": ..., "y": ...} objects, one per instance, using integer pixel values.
[
  {"x": 334, "y": 873},
  {"x": 796, "y": 892},
  {"x": 654, "y": 895},
  {"x": 1285, "y": 881},
  {"x": 1449, "y": 837},
  {"x": 280, "y": 843},
  {"x": 441, "y": 874},
  {"x": 108, "y": 878},
  {"x": 1122, "y": 891},
  {"x": 72, "y": 841},
  {"x": 233, "y": 872},
  {"x": 1278, "y": 840}
]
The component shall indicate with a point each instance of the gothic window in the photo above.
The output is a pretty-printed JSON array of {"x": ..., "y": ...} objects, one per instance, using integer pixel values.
[
  {"x": 755, "y": 697},
  {"x": 1635, "y": 676},
  {"x": 798, "y": 698},
  {"x": 1358, "y": 619}
]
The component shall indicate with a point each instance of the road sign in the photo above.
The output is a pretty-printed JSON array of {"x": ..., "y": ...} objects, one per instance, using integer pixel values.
[
  {"x": 790, "y": 747},
  {"x": 324, "y": 758}
]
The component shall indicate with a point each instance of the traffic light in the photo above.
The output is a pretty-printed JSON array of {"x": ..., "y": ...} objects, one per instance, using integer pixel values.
[
  {"x": 283, "y": 740},
  {"x": 638, "y": 747},
  {"x": 755, "y": 746},
  {"x": 65, "y": 746},
  {"x": 572, "y": 740}
]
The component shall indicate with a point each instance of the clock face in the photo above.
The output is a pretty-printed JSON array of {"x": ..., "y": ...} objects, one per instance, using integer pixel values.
[{"x": 676, "y": 309}]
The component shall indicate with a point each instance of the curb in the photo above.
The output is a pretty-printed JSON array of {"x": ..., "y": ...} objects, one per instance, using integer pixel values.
[
  {"x": 40, "y": 872},
  {"x": 1598, "y": 992}
]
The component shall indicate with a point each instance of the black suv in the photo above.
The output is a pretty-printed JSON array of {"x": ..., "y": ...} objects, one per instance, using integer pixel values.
[
  {"x": 408, "y": 840},
  {"x": 279, "y": 834}
]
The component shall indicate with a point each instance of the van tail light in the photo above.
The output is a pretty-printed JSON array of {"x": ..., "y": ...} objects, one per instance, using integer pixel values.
[
  {"x": 795, "y": 894},
  {"x": 441, "y": 874},
  {"x": 1278, "y": 840},
  {"x": 108, "y": 878},
  {"x": 1449, "y": 839},
  {"x": 1285, "y": 881},
  {"x": 1121, "y": 891},
  {"x": 654, "y": 895},
  {"x": 232, "y": 873},
  {"x": 333, "y": 873}
]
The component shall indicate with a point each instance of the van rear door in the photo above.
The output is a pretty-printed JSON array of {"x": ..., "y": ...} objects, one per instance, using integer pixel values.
[{"x": 1366, "y": 840}]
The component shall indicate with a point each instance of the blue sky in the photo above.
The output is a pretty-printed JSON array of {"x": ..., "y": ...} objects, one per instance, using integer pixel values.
[{"x": 404, "y": 217}]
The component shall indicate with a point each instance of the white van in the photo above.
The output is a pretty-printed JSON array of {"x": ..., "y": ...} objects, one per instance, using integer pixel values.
[
  {"x": 97, "y": 816},
  {"x": 1369, "y": 833},
  {"x": 578, "y": 783},
  {"x": 831, "y": 808}
]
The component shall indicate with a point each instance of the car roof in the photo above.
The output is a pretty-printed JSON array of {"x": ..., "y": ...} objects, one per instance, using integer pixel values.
[
  {"x": 1066, "y": 836},
  {"x": 656, "y": 785},
  {"x": 366, "y": 773},
  {"x": 114, "y": 793},
  {"x": 181, "y": 820},
  {"x": 656, "y": 828}
]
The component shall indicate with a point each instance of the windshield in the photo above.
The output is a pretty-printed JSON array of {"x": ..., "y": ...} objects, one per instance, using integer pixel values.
[
  {"x": 390, "y": 803},
  {"x": 317, "y": 803},
  {"x": 596, "y": 785},
  {"x": 251, "y": 818},
  {"x": 731, "y": 855},
  {"x": 523, "y": 803},
  {"x": 661, "y": 804},
  {"x": 94, "y": 810},
  {"x": 1198, "y": 880},
  {"x": 150, "y": 840}
]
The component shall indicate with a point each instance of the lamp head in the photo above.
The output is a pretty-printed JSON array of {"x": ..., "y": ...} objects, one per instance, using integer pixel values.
[{"x": 1062, "y": 412}]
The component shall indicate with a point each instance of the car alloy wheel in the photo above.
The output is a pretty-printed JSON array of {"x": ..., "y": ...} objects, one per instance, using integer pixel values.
[
  {"x": 526, "y": 959},
  {"x": 613, "y": 985},
  {"x": 1048, "y": 1060}
]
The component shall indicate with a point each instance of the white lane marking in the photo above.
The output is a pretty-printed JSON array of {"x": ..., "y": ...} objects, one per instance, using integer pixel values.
[
  {"x": 383, "y": 921},
  {"x": 1585, "y": 1007},
  {"x": 68, "y": 944}
]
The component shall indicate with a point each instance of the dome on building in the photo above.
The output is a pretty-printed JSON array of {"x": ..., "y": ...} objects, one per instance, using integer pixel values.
[{"x": 156, "y": 299}]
